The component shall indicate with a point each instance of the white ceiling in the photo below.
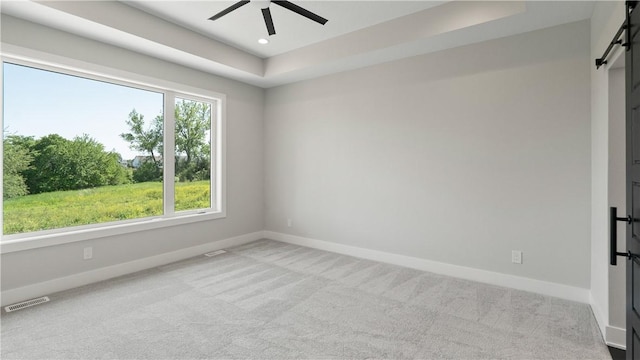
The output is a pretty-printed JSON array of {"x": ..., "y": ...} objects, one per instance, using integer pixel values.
[
  {"x": 358, "y": 33},
  {"x": 244, "y": 26}
]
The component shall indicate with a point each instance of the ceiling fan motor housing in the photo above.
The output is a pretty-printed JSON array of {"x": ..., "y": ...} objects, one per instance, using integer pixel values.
[{"x": 262, "y": 4}]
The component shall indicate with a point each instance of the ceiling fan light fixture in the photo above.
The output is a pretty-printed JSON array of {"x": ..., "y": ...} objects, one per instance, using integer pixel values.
[
  {"x": 263, "y": 41},
  {"x": 266, "y": 12},
  {"x": 262, "y": 4}
]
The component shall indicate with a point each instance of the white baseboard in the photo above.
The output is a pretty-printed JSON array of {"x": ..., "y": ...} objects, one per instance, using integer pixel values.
[
  {"x": 511, "y": 281},
  {"x": 72, "y": 281},
  {"x": 616, "y": 337}
]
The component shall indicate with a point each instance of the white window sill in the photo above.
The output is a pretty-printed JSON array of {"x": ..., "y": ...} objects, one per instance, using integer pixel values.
[{"x": 19, "y": 242}]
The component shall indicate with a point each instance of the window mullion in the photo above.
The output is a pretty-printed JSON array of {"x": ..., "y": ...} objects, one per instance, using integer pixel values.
[
  {"x": 168, "y": 155},
  {"x": 213, "y": 136}
]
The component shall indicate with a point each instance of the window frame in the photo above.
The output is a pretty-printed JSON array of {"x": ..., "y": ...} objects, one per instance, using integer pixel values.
[
  {"x": 170, "y": 90},
  {"x": 213, "y": 150}
]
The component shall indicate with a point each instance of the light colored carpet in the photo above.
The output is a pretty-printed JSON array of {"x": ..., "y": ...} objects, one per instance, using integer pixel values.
[{"x": 270, "y": 300}]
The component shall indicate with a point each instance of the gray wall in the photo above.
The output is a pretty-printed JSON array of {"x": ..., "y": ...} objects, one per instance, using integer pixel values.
[
  {"x": 244, "y": 164},
  {"x": 459, "y": 156}
]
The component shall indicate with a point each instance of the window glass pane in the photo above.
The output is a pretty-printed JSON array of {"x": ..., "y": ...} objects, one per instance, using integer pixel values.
[
  {"x": 78, "y": 151},
  {"x": 193, "y": 154}
]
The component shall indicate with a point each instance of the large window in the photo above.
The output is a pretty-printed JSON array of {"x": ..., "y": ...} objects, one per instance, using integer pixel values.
[{"x": 85, "y": 152}]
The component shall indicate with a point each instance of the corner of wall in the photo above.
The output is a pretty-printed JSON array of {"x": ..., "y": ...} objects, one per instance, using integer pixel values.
[
  {"x": 605, "y": 21},
  {"x": 599, "y": 314}
]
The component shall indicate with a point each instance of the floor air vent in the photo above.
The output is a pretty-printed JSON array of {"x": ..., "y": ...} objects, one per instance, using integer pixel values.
[
  {"x": 214, "y": 253},
  {"x": 26, "y": 304}
]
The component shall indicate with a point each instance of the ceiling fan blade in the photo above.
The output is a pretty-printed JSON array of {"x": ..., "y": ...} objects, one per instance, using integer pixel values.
[
  {"x": 304, "y": 12},
  {"x": 266, "y": 13},
  {"x": 229, "y": 9}
]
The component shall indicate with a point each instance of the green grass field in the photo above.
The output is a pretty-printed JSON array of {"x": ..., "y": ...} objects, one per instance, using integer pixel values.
[{"x": 91, "y": 206}]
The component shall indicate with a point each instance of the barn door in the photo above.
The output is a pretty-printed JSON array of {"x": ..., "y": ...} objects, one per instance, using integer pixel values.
[{"x": 632, "y": 66}]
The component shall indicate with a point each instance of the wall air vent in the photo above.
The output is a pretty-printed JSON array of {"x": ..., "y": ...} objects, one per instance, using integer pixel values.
[
  {"x": 26, "y": 304},
  {"x": 215, "y": 253}
]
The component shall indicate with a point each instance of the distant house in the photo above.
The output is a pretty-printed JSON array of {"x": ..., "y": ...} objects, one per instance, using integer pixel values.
[{"x": 141, "y": 159}]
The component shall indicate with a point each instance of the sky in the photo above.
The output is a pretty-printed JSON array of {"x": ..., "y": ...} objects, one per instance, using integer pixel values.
[{"x": 38, "y": 103}]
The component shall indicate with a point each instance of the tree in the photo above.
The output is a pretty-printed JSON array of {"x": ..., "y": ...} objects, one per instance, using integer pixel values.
[
  {"x": 192, "y": 145},
  {"x": 81, "y": 163},
  {"x": 116, "y": 172},
  {"x": 193, "y": 121},
  {"x": 47, "y": 172},
  {"x": 193, "y": 124},
  {"x": 146, "y": 140},
  {"x": 148, "y": 171},
  {"x": 17, "y": 158}
]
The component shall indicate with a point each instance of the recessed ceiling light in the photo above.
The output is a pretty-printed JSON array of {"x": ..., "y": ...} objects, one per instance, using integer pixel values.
[{"x": 263, "y": 41}]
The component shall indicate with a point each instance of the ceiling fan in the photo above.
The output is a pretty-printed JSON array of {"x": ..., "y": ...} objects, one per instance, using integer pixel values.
[{"x": 266, "y": 13}]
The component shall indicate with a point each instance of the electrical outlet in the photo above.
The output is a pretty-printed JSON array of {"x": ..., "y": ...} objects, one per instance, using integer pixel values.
[
  {"x": 289, "y": 223},
  {"x": 516, "y": 257},
  {"x": 88, "y": 253}
]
